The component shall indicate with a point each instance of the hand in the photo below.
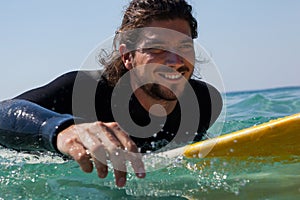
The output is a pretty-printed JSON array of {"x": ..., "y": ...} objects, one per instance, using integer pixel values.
[{"x": 98, "y": 142}]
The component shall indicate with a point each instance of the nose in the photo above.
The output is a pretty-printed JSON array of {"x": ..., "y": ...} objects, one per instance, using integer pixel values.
[{"x": 174, "y": 60}]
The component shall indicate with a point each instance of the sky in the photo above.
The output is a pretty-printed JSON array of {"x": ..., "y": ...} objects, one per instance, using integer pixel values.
[{"x": 255, "y": 44}]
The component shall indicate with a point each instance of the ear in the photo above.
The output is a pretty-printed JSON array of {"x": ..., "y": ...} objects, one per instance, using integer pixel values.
[{"x": 126, "y": 56}]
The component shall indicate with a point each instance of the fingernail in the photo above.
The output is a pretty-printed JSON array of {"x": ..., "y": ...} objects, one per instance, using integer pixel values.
[
  {"x": 121, "y": 182},
  {"x": 141, "y": 173}
]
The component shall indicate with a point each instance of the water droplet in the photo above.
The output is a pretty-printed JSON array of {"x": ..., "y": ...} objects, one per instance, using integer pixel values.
[{"x": 153, "y": 144}]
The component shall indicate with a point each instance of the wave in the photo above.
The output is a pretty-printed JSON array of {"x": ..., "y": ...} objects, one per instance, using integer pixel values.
[
  {"x": 270, "y": 102},
  {"x": 248, "y": 108},
  {"x": 275, "y": 89}
]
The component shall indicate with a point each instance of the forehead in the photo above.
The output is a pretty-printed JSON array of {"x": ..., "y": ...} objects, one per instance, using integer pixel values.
[
  {"x": 177, "y": 25},
  {"x": 164, "y": 31}
]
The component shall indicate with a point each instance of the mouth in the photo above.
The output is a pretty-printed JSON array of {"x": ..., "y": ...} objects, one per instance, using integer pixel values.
[{"x": 172, "y": 76}]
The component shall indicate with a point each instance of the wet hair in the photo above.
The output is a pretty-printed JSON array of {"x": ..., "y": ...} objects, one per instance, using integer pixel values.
[{"x": 139, "y": 14}]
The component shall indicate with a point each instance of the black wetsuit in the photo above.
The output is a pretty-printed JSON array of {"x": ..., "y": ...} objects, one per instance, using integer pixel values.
[{"x": 32, "y": 120}]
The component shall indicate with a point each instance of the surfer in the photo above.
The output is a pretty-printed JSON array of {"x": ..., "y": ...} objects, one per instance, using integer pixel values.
[{"x": 75, "y": 115}]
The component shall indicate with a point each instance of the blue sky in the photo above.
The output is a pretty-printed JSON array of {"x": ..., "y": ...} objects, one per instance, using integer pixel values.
[{"x": 255, "y": 43}]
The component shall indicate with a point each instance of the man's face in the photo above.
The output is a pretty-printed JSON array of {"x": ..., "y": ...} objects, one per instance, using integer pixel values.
[{"x": 164, "y": 59}]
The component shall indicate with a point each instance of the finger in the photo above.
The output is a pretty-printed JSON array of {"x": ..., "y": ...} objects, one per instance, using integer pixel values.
[
  {"x": 100, "y": 160},
  {"x": 120, "y": 178},
  {"x": 79, "y": 154},
  {"x": 114, "y": 149},
  {"x": 131, "y": 151},
  {"x": 106, "y": 133},
  {"x": 97, "y": 150},
  {"x": 103, "y": 145},
  {"x": 118, "y": 161},
  {"x": 137, "y": 164},
  {"x": 102, "y": 168}
]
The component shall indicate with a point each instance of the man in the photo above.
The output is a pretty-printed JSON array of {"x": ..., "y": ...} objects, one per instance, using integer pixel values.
[{"x": 80, "y": 114}]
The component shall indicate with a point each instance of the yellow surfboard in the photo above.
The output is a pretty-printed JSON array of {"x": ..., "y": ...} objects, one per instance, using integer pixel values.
[{"x": 280, "y": 137}]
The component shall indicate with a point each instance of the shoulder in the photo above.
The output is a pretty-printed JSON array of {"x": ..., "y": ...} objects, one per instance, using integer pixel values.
[
  {"x": 84, "y": 74},
  {"x": 208, "y": 97},
  {"x": 201, "y": 87},
  {"x": 80, "y": 77},
  {"x": 86, "y": 81}
]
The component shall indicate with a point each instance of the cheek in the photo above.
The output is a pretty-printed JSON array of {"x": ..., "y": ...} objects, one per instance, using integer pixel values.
[
  {"x": 140, "y": 69},
  {"x": 190, "y": 62},
  {"x": 190, "y": 59},
  {"x": 145, "y": 64}
]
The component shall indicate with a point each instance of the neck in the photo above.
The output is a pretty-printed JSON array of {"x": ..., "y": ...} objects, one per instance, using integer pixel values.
[{"x": 157, "y": 107}]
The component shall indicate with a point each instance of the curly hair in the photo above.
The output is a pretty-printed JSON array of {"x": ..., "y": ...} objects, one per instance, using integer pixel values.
[{"x": 139, "y": 14}]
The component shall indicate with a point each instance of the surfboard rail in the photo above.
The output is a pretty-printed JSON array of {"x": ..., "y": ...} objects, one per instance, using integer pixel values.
[{"x": 279, "y": 137}]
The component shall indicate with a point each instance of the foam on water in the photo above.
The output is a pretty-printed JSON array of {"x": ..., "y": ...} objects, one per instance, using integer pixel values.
[{"x": 46, "y": 176}]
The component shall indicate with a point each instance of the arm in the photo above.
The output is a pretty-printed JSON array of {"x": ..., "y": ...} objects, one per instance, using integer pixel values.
[
  {"x": 27, "y": 126},
  {"x": 41, "y": 119},
  {"x": 30, "y": 127},
  {"x": 32, "y": 120}
]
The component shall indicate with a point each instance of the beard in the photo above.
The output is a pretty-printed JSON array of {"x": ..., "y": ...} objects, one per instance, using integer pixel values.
[
  {"x": 149, "y": 85},
  {"x": 159, "y": 92}
]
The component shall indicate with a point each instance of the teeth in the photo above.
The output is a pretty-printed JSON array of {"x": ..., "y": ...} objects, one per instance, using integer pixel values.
[{"x": 172, "y": 76}]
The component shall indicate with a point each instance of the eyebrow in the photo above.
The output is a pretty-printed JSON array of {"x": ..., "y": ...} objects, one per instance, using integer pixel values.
[
  {"x": 149, "y": 41},
  {"x": 154, "y": 41},
  {"x": 188, "y": 40}
]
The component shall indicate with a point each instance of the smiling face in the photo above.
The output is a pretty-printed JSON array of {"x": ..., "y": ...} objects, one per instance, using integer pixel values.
[{"x": 164, "y": 59}]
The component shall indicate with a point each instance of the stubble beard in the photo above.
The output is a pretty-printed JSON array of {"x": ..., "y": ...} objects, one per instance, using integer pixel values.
[{"x": 159, "y": 92}]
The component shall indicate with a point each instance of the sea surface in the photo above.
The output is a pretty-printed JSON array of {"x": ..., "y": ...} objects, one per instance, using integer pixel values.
[{"x": 28, "y": 176}]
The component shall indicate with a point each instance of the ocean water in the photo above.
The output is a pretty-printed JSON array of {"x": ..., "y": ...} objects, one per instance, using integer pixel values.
[{"x": 27, "y": 176}]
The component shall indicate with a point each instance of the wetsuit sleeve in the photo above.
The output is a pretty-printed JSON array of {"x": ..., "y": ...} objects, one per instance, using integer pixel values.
[
  {"x": 32, "y": 120},
  {"x": 28, "y": 126}
]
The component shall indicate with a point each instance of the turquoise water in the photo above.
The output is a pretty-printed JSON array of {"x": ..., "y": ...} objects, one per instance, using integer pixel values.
[{"x": 27, "y": 176}]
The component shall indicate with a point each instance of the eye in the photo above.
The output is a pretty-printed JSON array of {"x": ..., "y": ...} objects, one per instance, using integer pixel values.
[
  {"x": 186, "y": 47},
  {"x": 156, "y": 50}
]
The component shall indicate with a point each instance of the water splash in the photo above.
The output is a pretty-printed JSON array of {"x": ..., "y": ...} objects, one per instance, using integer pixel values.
[{"x": 46, "y": 176}]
